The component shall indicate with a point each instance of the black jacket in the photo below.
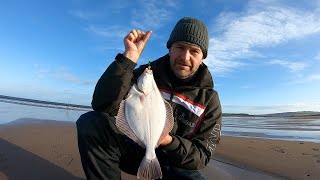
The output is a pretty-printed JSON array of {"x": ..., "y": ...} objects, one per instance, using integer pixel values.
[{"x": 196, "y": 107}]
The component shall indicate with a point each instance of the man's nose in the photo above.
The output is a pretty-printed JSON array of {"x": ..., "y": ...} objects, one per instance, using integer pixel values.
[{"x": 185, "y": 55}]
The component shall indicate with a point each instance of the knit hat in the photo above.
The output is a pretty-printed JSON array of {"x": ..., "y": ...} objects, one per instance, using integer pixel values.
[{"x": 190, "y": 30}]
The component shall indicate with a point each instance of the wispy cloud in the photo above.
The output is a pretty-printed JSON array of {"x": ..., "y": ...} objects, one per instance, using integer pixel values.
[
  {"x": 68, "y": 77},
  {"x": 313, "y": 77},
  {"x": 152, "y": 13},
  {"x": 146, "y": 15},
  {"x": 60, "y": 73},
  {"x": 89, "y": 82},
  {"x": 239, "y": 35},
  {"x": 307, "y": 79},
  {"x": 85, "y": 15},
  {"x": 247, "y": 87},
  {"x": 317, "y": 57},
  {"x": 107, "y": 31},
  {"x": 222, "y": 67},
  {"x": 292, "y": 66},
  {"x": 99, "y": 9}
]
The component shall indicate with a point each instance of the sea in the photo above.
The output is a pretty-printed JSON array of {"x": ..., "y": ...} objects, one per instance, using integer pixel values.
[{"x": 12, "y": 110}]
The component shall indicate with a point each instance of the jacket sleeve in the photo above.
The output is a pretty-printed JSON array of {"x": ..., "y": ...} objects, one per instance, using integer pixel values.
[
  {"x": 113, "y": 85},
  {"x": 195, "y": 152}
]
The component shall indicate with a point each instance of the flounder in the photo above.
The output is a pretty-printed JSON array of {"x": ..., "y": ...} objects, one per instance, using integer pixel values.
[{"x": 146, "y": 118}]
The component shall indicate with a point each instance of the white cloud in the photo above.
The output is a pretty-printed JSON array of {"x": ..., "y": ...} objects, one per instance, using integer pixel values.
[
  {"x": 266, "y": 26},
  {"x": 102, "y": 9},
  {"x": 246, "y": 87},
  {"x": 108, "y": 31},
  {"x": 113, "y": 48},
  {"x": 153, "y": 14},
  {"x": 90, "y": 82},
  {"x": 317, "y": 57},
  {"x": 292, "y": 66},
  {"x": 59, "y": 73},
  {"x": 68, "y": 77},
  {"x": 85, "y": 15},
  {"x": 222, "y": 67},
  {"x": 118, "y": 5},
  {"x": 311, "y": 78}
]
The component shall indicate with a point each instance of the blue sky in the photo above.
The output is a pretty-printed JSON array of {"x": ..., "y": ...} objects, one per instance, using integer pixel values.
[{"x": 264, "y": 55}]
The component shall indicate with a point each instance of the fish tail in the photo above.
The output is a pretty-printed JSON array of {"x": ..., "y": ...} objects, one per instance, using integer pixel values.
[{"x": 149, "y": 169}]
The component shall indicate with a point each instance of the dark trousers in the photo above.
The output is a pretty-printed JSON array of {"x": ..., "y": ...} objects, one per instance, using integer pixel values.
[{"x": 105, "y": 151}]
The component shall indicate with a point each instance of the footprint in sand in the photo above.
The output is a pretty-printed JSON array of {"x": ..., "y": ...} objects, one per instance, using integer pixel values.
[
  {"x": 278, "y": 149},
  {"x": 315, "y": 149},
  {"x": 315, "y": 156}
]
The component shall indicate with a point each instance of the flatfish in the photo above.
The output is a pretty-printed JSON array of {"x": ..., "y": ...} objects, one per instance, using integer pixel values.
[{"x": 146, "y": 118}]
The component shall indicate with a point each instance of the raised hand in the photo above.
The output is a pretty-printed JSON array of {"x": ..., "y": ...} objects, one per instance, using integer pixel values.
[{"x": 134, "y": 44}]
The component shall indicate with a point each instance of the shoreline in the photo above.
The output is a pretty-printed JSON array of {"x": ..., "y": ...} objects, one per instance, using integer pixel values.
[
  {"x": 51, "y": 148},
  {"x": 271, "y": 116}
]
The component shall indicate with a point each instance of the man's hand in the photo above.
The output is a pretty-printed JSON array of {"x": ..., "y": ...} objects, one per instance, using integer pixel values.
[
  {"x": 166, "y": 141},
  {"x": 134, "y": 44}
]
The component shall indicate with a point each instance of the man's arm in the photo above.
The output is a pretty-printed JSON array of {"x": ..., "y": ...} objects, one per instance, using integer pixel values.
[
  {"x": 116, "y": 80},
  {"x": 196, "y": 152},
  {"x": 113, "y": 85}
]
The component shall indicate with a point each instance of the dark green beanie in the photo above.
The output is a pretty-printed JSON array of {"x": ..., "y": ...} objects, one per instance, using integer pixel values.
[{"x": 190, "y": 30}]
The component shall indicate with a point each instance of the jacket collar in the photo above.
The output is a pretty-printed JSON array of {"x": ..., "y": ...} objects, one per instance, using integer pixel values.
[{"x": 202, "y": 78}]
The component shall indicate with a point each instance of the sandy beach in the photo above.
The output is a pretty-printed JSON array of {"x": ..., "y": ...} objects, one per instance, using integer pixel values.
[
  {"x": 46, "y": 149},
  {"x": 287, "y": 159}
]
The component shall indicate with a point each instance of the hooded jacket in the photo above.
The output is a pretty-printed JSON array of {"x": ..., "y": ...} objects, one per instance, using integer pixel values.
[{"x": 195, "y": 104}]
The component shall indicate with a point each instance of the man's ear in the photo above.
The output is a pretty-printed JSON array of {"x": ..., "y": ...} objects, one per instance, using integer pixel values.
[{"x": 169, "y": 51}]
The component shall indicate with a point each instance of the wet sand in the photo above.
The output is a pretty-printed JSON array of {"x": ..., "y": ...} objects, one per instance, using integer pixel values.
[
  {"x": 287, "y": 159},
  {"x": 40, "y": 149}
]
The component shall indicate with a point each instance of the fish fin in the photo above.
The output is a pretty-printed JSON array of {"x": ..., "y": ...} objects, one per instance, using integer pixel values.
[
  {"x": 169, "y": 122},
  {"x": 133, "y": 90},
  {"x": 149, "y": 169},
  {"x": 123, "y": 126},
  {"x": 129, "y": 95}
]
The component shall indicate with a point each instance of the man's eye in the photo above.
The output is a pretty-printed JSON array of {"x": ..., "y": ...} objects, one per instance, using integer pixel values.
[{"x": 195, "y": 52}]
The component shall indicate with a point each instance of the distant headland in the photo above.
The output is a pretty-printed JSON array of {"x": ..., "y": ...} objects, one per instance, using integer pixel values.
[
  {"x": 297, "y": 114},
  {"x": 50, "y": 104}
]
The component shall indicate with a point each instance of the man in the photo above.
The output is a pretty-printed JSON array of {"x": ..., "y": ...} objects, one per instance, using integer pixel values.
[{"x": 184, "y": 81}]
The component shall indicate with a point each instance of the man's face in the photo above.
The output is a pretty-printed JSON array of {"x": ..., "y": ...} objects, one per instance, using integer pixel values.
[{"x": 185, "y": 59}]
